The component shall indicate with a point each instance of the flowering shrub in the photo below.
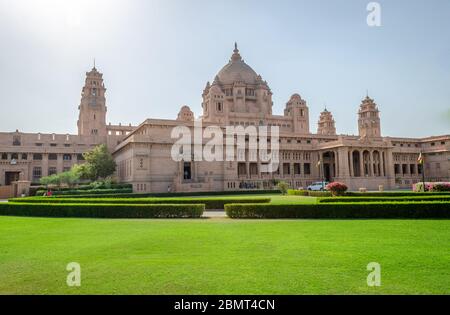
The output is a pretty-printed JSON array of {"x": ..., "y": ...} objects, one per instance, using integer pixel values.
[
  {"x": 434, "y": 187},
  {"x": 337, "y": 188},
  {"x": 438, "y": 187}
]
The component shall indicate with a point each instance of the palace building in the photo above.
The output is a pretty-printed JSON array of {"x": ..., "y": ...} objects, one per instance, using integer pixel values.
[{"x": 237, "y": 96}]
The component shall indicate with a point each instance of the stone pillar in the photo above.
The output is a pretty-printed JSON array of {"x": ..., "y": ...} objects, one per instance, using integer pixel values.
[
  {"x": 247, "y": 169},
  {"x": 371, "y": 168},
  {"x": 44, "y": 164},
  {"x": 382, "y": 164},
  {"x": 351, "y": 170},
  {"x": 344, "y": 172},
  {"x": 361, "y": 164},
  {"x": 59, "y": 163}
]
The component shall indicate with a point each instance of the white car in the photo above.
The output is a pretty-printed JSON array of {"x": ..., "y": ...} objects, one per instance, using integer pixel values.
[{"x": 318, "y": 186}]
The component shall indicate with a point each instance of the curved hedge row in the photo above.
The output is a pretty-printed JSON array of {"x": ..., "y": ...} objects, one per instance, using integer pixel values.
[
  {"x": 384, "y": 199},
  {"x": 102, "y": 210},
  {"x": 382, "y": 210},
  {"x": 76, "y": 192},
  {"x": 210, "y": 203}
]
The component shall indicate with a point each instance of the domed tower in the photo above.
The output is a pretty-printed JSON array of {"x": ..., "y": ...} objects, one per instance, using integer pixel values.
[
  {"x": 237, "y": 88},
  {"x": 92, "y": 109},
  {"x": 369, "y": 119},
  {"x": 297, "y": 109},
  {"x": 326, "y": 124},
  {"x": 185, "y": 114}
]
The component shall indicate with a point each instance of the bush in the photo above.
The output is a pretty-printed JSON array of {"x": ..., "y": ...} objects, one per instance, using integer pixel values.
[
  {"x": 309, "y": 193},
  {"x": 394, "y": 194},
  {"x": 434, "y": 187},
  {"x": 175, "y": 194},
  {"x": 337, "y": 188},
  {"x": 340, "y": 210},
  {"x": 102, "y": 210},
  {"x": 69, "y": 192},
  {"x": 283, "y": 187},
  {"x": 210, "y": 203},
  {"x": 440, "y": 187},
  {"x": 384, "y": 199},
  {"x": 295, "y": 192}
]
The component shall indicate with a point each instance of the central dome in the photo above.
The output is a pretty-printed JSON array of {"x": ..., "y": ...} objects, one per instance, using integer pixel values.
[{"x": 237, "y": 70}]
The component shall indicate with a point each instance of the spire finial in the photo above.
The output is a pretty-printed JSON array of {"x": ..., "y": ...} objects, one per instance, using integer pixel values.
[
  {"x": 94, "y": 64},
  {"x": 367, "y": 93},
  {"x": 236, "y": 56}
]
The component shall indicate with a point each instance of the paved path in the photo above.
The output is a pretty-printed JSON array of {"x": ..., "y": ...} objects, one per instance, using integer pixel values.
[{"x": 214, "y": 214}]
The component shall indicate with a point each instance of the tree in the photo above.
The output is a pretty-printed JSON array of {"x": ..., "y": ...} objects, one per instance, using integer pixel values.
[
  {"x": 283, "y": 187},
  {"x": 99, "y": 164}
]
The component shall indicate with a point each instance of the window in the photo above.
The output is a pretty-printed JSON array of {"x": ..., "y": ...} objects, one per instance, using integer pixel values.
[
  {"x": 66, "y": 145},
  {"x": 39, "y": 144},
  {"x": 296, "y": 168},
  {"x": 4, "y": 156},
  {"x": 24, "y": 156},
  {"x": 307, "y": 167},
  {"x": 67, "y": 157},
  {"x": 51, "y": 171},
  {"x": 37, "y": 173},
  {"x": 16, "y": 140},
  {"x": 14, "y": 156},
  {"x": 37, "y": 156},
  {"x": 66, "y": 169},
  {"x": 80, "y": 157},
  {"x": 433, "y": 144},
  {"x": 53, "y": 144},
  {"x": 52, "y": 157},
  {"x": 187, "y": 171}
]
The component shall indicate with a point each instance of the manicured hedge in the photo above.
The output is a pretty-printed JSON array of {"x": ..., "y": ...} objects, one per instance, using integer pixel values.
[
  {"x": 210, "y": 203},
  {"x": 341, "y": 210},
  {"x": 310, "y": 193},
  {"x": 88, "y": 192},
  {"x": 180, "y": 194},
  {"x": 394, "y": 194},
  {"x": 384, "y": 199},
  {"x": 102, "y": 210}
]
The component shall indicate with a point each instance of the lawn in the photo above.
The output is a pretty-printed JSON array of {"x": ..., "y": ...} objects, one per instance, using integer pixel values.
[{"x": 223, "y": 256}]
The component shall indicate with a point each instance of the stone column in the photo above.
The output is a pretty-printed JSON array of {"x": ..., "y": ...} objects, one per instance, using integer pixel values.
[
  {"x": 59, "y": 163},
  {"x": 351, "y": 170},
  {"x": 344, "y": 172},
  {"x": 44, "y": 164},
  {"x": 371, "y": 168},
  {"x": 361, "y": 164},
  {"x": 382, "y": 164}
]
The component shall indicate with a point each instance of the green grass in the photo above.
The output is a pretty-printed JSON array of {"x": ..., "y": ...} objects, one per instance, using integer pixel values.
[{"x": 223, "y": 256}]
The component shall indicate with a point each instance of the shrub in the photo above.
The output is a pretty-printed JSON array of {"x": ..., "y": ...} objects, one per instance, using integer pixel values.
[
  {"x": 394, "y": 194},
  {"x": 319, "y": 193},
  {"x": 384, "y": 199},
  {"x": 102, "y": 210},
  {"x": 283, "y": 187},
  {"x": 389, "y": 210},
  {"x": 337, "y": 188},
  {"x": 295, "y": 192},
  {"x": 310, "y": 193},
  {"x": 175, "y": 194},
  {"x": 440, "y": 187},
  {"x": 210, "y": 203},
  {"x": 83, "y": 191}
]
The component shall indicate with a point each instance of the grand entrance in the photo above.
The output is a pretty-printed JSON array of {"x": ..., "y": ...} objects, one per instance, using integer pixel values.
[{"x": 11, "y": 177}]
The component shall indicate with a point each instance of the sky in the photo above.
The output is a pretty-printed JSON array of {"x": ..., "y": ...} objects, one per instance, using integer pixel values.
[{"x": 157, "y": 55}]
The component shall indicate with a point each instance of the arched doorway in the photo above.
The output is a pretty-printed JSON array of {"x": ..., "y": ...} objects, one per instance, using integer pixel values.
[
  {"x": 356, "y": 163},
  {"x": 329, "y": 166}
]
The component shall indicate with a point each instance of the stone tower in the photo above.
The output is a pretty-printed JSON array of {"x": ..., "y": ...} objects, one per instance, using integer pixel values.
[
  {"x": 369, "y": 119},
  {"x": 92, "y": 115},
  {"x": 297, "y": 109},
  {"x": 326, "y": 124}
]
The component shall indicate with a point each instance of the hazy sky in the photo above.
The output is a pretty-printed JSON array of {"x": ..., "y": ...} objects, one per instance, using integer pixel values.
[{"x": 158, "y": 55}]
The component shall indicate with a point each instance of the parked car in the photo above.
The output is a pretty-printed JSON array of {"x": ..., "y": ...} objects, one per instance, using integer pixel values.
[{"x": 318, "y": 186}]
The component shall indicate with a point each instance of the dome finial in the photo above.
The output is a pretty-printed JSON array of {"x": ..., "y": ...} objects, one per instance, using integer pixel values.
[{"x": 236, "y": 56}]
